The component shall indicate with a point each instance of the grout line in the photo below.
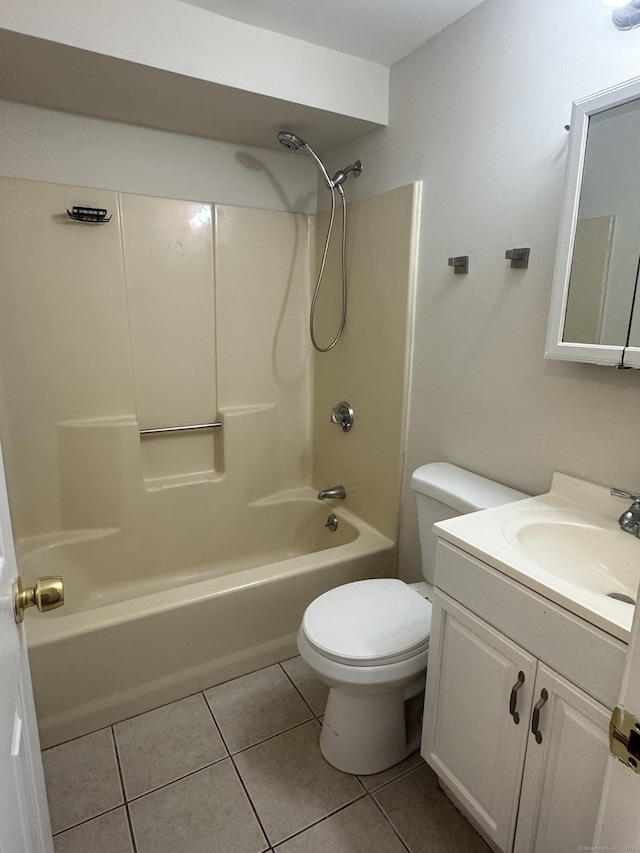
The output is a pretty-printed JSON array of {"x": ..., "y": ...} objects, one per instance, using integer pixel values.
[
  {"x": 133, "y": 799},
  {"x": 87, "y": 820},
  {"x": 391, "y": 781},
  {"x": 131, "y": 832},
  {"x": 395, "y": 779},
  {"x": 77, "y": 737},
  {"x": 313, "y": 719},
  {"x": 177, "y": 779},
  {"x": 253, "y": 808},
  {"x": 123, "y": 720},
  {"x": 229, "y": 754},
  {"x": 118, "y": 765},
  {"x": 298, "y": 691},
  {"x": 120, "y": 779},
  {"x": 388, "y": 820},
  {"x": 271, "y": 737},
  {"x": 257, "y": 743},
  {"x": 215, "y": 723},
  {"x": 323, "y": 818},
  {"x": 124, "y": 793}
]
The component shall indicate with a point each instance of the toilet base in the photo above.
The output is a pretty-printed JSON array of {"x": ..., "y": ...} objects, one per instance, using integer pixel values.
[{"x": 369, "y": 734}]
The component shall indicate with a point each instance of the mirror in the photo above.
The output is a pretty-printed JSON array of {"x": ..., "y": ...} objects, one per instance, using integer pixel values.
[{"x": 594, "y": 314}]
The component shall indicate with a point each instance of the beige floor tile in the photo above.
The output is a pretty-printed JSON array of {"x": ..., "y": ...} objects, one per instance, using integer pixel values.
[
  {"x": 106, "y": 834},
  {"x": 377, "y": 780},
  {"x": 313, "y": 690},
  {"x": 256, "y": 706},
  {"x": 207, "y": 812},
  {"x": 360, "y": 828},
  {"x": 424, "y": 818},
  {"x": 291, "y": 785},
  {"x": 82, "y": 779},
  {"x": 164, "y": 744}
]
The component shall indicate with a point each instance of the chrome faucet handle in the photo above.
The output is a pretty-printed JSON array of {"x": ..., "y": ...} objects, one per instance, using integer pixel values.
[
  {"x": 620, "y": 493},
  {"x": 342, "y": 415},
  {"x": 629, "y": 521}
]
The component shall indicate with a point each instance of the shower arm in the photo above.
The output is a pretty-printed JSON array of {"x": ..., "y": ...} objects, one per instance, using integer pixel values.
[
  {"x": 341, "y": 176},
  {"x": 330, "y": 184}
]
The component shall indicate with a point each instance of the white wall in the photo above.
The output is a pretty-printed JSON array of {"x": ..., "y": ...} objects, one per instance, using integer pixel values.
[
  {"x": 46, "y": 145},
  {"x": 478, "y": 114}
]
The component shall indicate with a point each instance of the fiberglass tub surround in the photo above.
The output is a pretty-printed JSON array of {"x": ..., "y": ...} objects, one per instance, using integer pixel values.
[{"x": 189, "y": 557}]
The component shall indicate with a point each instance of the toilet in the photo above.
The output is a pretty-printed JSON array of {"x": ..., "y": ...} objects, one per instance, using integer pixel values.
[{"x": 369, "y": 640}]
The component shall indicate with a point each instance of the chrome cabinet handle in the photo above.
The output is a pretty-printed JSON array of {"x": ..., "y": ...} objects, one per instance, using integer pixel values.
[
  {"x": 535, "y": 719},
  {"x": 514, "y": 697}
]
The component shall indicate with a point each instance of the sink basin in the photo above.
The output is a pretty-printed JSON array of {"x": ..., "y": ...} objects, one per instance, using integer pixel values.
[
  {"x": 565, "y": 545},
  {"x": 602, "y": 559}
]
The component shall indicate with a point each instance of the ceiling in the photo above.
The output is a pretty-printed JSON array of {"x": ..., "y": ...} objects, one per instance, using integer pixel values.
[{"x": 382, "y": 31}]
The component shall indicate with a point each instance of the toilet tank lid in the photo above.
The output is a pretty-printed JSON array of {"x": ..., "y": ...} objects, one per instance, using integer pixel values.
[{"x": 459, "y": 489}]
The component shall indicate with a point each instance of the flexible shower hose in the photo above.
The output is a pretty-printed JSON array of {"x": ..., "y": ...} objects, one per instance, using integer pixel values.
[{"x": 321, "y": 272}]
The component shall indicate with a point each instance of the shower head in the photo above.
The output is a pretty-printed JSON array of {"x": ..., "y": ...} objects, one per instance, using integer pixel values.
[
  {"x": 295, "y": 143},
  {"x": 290, "y": 140}
]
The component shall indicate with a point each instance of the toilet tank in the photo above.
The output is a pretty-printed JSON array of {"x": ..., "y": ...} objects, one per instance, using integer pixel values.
[{"x": 446, "y": 491}]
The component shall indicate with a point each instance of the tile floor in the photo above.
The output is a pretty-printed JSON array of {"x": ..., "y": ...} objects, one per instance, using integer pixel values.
[{"x": 237, "y": 769}]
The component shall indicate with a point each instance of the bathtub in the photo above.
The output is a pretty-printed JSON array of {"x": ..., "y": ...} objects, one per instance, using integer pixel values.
[{"x": 130, "y": 638}]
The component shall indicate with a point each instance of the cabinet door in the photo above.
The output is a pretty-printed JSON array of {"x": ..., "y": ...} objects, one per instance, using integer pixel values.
[
  {"x": 469, "y": 736},
  {"x": 563, "y": 773}
]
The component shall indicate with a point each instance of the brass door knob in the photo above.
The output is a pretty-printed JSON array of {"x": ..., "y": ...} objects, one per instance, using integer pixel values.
[{"x": 47, "y": 594}]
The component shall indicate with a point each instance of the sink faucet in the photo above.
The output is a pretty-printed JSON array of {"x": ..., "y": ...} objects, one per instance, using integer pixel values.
[
  {"x": 629, "y": 521},
  {"x": 334, "y": 493}
]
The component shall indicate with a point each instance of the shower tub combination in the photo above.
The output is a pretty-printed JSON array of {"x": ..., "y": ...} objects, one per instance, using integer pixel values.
[
  {"x": 123, "y": 644},
  {"x": 189, "y": 558}
]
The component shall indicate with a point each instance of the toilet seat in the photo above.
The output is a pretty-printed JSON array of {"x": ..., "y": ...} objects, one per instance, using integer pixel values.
[{"x": 368, "y": 623}]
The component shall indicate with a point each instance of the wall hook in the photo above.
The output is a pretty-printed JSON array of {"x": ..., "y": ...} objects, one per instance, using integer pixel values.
[
  {"x": 519, "y": 258},
  {"x": 460, "y": 264}
]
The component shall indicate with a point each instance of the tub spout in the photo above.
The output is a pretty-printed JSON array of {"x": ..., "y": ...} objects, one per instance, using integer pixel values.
[{"x": 334, "y": 493}]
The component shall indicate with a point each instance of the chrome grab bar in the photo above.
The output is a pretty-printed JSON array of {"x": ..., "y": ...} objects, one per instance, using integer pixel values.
[{"x": 180, "y": 428}]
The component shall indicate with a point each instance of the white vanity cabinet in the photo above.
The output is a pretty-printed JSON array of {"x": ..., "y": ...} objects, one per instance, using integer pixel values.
[
  {"x": 524, "y": 793},
  {"x": 563, "y": 774}
]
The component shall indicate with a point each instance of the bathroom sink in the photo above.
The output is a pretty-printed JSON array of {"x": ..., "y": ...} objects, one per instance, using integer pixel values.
[
  {"x": 582, "y": 551},
  {"x": 566, "y": 545}
]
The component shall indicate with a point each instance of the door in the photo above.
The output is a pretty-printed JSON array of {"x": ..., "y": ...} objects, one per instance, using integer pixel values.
[
  {"x": 24, "y": 816},
  {"x": 618, "y": 824},
  {"x": 478, "y": 698},
  {"x": 564, "y": 770}
]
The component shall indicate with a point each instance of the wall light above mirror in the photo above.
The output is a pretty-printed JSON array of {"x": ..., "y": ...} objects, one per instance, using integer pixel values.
[
  {"x": 594, "y": 315},
  {"x": 626, "y": 13}
]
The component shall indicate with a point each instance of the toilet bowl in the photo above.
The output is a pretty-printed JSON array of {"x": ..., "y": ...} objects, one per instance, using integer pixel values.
[{"x": 368, "y": 641}]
